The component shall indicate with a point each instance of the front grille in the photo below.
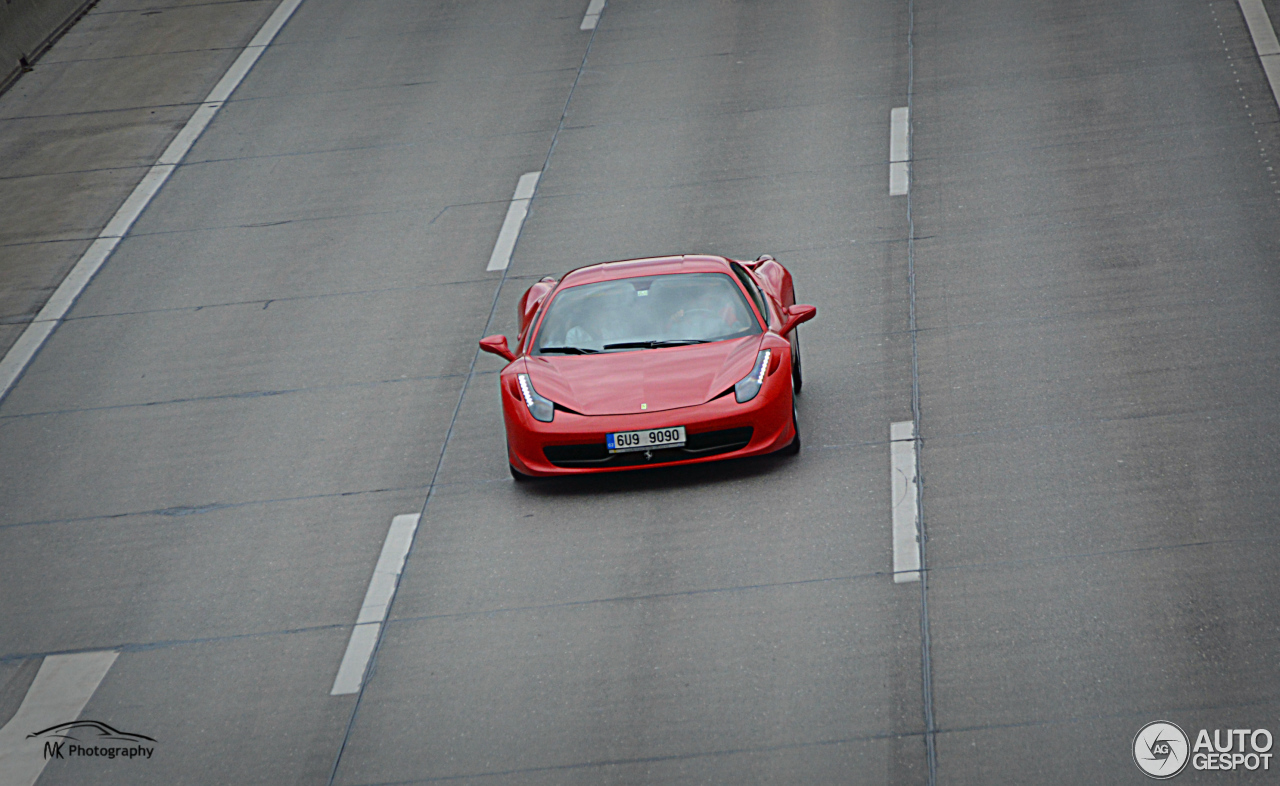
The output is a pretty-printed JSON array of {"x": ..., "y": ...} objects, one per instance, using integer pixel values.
[{"x": 708, "y": 443}]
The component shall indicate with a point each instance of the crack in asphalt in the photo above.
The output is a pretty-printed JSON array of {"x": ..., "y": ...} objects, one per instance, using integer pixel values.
[
  {"x": 48, "y": 63},
  {"x": 280, "y": 299},
  {"x": 637, "y": 598},
  {"x": 161, "y": 644},
  {"x": 872, "y": 737},
  {"x": 225, "y": 396},
  {"x": 210, "y": 507},
  {"x": 176, "y": 7}
]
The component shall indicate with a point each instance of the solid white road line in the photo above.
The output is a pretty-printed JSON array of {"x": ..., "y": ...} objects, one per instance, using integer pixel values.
[
  {"x": 62, "y": 687},
  {"x": 1264, "y": 40},
  {"x": 33, "y": 338},
  {"x": 519, "y": 208},
  {"x": 899, "y": 151},
  {"x": 593, "y": 15},
  {"x": 902, "y": 483},
  {"x": 377, "y": 602}
]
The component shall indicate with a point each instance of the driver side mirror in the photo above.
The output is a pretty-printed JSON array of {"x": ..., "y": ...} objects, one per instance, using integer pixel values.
[
  {"x": 796, "y": 315},
  {"x": 497, "y": 345}
]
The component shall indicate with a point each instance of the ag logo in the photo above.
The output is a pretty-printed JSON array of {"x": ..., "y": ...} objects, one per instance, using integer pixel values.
[{"x": 1160, "y": 749}]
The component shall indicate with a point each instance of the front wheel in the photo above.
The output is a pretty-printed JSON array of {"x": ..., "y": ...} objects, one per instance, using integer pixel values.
[
  {"x": 797, "y": 379},
  {"x": 793, "y": 448},
  {"x": 517, "y": 475}
]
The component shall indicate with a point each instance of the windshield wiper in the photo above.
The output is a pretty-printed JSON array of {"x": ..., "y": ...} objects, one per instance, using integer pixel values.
[
  {"x": 568, "y": 350},
  {"x": 670, "y": 342}
]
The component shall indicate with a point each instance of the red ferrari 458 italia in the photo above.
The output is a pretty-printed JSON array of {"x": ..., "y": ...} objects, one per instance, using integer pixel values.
[{"x": 652, "y": 362}]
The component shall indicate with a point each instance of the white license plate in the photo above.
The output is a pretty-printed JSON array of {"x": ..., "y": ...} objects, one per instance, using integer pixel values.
[{"x": 628, "y": 441}]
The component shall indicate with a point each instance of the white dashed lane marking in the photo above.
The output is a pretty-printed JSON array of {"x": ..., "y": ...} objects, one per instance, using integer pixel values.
[
  {"x": 899, "y": 152},
  {"x": 593, "y": 15},
  {"x": 377, "y": 602},
  {"x": 902, "y": 484},
  {"x": 516, "y": 212}
]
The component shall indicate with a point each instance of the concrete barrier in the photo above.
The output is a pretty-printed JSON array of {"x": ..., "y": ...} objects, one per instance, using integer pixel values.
[{"x": 28, "y": 28}]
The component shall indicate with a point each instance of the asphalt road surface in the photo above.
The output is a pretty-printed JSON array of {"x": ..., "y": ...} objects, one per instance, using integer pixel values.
[{"x": 1077, "y": 302}]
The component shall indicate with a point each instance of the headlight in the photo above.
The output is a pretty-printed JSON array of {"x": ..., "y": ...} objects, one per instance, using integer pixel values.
[
  {"x": 749, "y": 386},
  {"x": 541, "y": 408}
]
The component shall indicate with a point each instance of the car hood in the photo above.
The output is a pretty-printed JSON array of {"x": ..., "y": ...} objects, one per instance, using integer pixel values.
[{"x": 618, "y": 383}]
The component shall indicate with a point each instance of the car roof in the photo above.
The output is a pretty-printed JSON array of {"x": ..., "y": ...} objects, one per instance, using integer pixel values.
[{"x": 649, "y": 266}]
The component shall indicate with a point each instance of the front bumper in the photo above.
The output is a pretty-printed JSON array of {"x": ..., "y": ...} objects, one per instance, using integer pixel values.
[{"x": 574, "y": 444}]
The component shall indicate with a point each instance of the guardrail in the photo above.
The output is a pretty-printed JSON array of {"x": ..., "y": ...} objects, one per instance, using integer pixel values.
[{"x": 28, "y": 28}]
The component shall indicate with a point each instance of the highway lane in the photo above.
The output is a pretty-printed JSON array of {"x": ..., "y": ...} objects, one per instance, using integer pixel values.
[
  {"x": 1098, "y": 358},
  {"x": 723, "y": 624},
  {"x": 200, "y": 466}
]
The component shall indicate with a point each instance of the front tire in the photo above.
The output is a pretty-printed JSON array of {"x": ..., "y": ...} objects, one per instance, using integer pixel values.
[
  {"x": 793, "y": 448},
  {"x": 517, "y": 475},
  {"x": 797, "y": 379}
]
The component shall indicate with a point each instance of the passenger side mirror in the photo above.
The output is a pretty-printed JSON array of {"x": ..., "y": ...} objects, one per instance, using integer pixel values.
[
  {"x": 497, "y": 345},
  {"x": 796, "y": 315}
]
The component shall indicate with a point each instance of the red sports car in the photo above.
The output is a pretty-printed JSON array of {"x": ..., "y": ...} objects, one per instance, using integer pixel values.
[{"x": 652, "y": 362}]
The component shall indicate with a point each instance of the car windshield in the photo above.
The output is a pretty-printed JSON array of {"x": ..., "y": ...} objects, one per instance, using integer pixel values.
[{"x": 645, "y": 313}]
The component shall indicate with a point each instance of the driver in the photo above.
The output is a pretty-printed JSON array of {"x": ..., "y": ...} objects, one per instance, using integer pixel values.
[{"x": 706, "y": 317}]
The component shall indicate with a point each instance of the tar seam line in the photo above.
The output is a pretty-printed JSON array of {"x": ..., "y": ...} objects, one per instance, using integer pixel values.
[{"x": 926, "y": 664}]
